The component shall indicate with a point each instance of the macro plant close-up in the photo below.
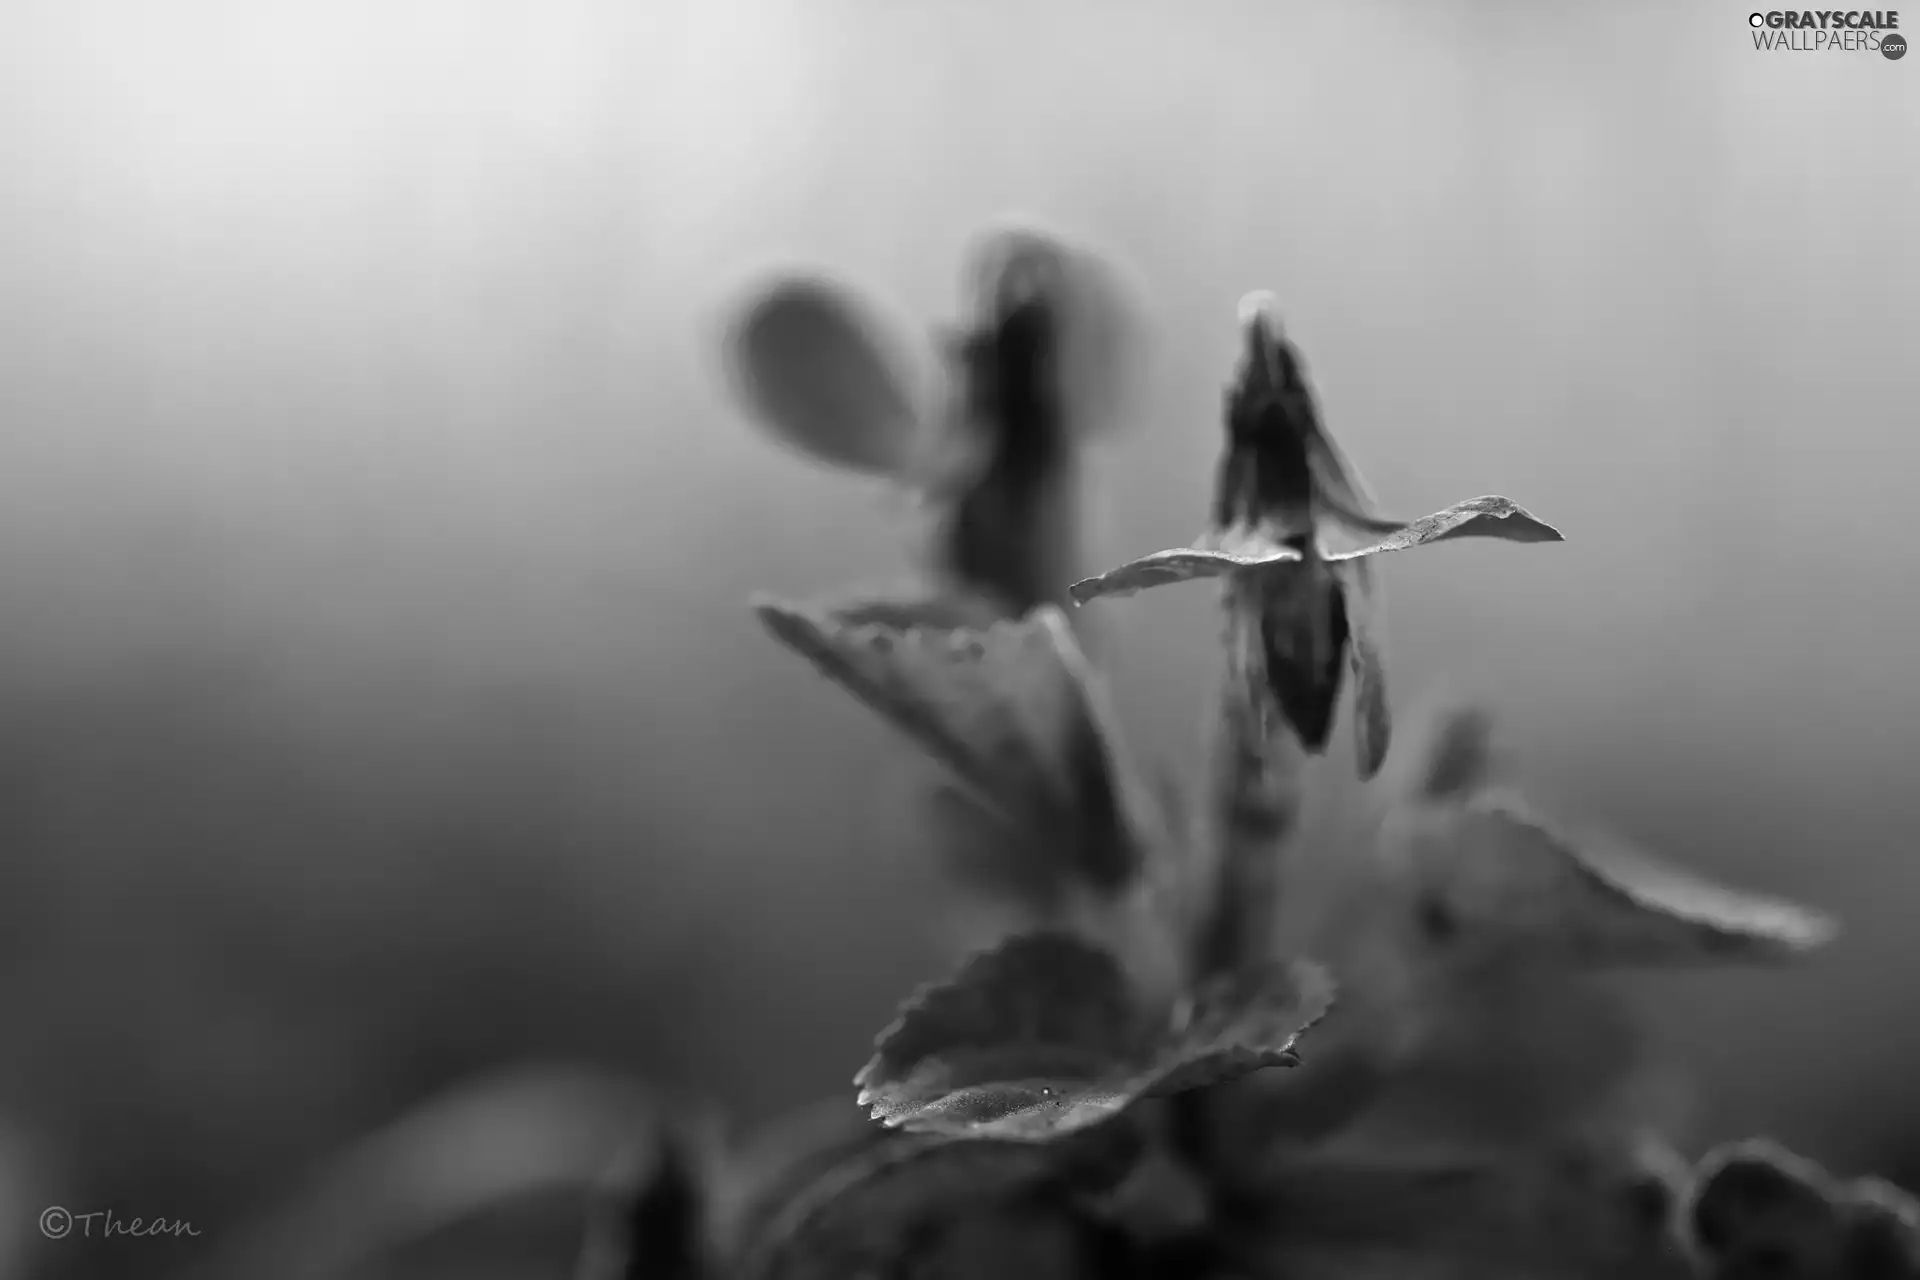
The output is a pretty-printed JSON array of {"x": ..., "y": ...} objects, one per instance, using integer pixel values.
[
  {"x": 832, "y": 640},
  {"x": 1140, "y": 1075}
]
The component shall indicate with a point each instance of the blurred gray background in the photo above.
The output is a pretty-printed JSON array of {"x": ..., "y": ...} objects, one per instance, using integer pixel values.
[{"x": 378, "y": 703}]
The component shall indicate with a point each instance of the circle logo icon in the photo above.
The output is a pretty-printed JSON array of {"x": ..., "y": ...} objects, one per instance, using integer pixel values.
[
  {"x": 1756, "y": 19},
  {"x": 1893, "y": 48}
]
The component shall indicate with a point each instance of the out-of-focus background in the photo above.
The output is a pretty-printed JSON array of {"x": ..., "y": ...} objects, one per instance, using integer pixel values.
[{"x": 377, "y": 700}]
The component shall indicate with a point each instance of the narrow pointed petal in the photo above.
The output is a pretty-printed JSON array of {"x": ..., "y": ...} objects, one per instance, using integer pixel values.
[
  {"x": 1339, "y": 488},
  {"x": 1488, "y": 517},
  {"x": 1372, "y": 717},
  {"x": 1182, "y": 564}
]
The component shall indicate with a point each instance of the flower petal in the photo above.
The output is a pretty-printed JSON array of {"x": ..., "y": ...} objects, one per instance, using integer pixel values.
[
  {"x": 1372, "y": 718},
  {"x": 1179, "y": 564},
  {"x": 1105, "y": 338},
  {"x": 815, "y": 367},
  {"x": 1488, "y": 517}
]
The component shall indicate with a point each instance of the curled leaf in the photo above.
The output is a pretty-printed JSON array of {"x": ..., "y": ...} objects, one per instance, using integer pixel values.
[
  {"x": 1013, "y": 710},
  {"x": 1490, "y": 876},
  {"x": 1045, "y": 1036},
  {"x": 823, "y": 375}
]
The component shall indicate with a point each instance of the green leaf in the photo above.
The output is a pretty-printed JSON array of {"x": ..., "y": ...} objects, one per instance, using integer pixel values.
[
  {"x": 1014, "y": 710},
  {"x": 1234, "y": 551},
  {"x": 1045, "y": 1035},
  {"x": 1491, "y": 880}
]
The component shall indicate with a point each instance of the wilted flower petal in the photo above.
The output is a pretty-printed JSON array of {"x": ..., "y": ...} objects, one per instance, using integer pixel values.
[
  {"x": 1220, "y": 553},
  {"x": 1488, "y": 517},
  {"x": 1178, "y": 564}
]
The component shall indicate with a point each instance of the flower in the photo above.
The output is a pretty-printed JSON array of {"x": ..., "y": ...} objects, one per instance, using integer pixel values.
[
  {"x": 1299, "y": 613},
  {"x": 1096, "y": 1095}
]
